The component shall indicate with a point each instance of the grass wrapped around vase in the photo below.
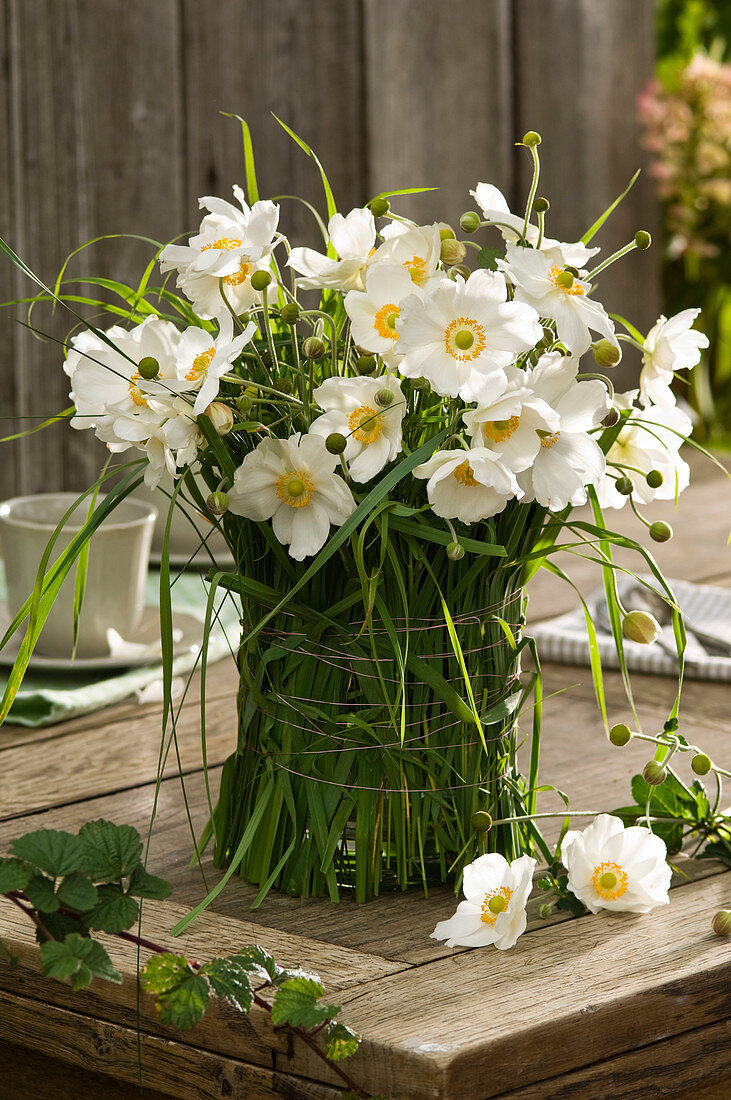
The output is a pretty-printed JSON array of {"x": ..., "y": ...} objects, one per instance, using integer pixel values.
[{"x": 392, "y": 440}]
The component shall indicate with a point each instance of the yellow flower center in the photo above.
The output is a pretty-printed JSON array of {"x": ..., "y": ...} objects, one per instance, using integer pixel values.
[
  {"x": 226, "y": 243},
  {"x": 365, "y": 424},
  {"x": 464, "y": 339},
  {"x": 554, "y": 275},
  {"x": 465, "y": 475},
  {"x": 609, "y": 880},
  {"x": 201, "y": 364},
  {"x": 239, "y": 276},
  {"x": 295, "y": 488},
  {"x": 135, "y": 392},
  {"x": 548, "y": 439},
  {"x": 385, "y": 321},
  {"x": 416, "y": 268},
  {"x": 497, "y": 431},
  {"x": 495, "y": 904}
]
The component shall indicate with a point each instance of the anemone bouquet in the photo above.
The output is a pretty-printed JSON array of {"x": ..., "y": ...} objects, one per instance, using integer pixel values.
[{"x": 392, "y": 433}]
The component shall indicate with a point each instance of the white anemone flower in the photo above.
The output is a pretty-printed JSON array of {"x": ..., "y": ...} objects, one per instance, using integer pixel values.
[
  {"x": 649, "y": 440},
  {"x": 510, "y": 424},
  {"x": 496, "y": 893},
  {"x": 416, "y": 248},
  {"x": 536, "y": 275},
  {"x": 292, "y": 483},
  {"x": 670, "y": 345},
  {"x": 468, "y": 485},
  {"x": 231, "y": 244},
  {"x": 368, "y": 412},
  {"x": 227, "y": 237},
  {"x": 568, "y": 458},
  {"x": 464, "y": 334},
  {"x": 374, "y": 311},
  {"x": 354, "y": 238},
  {"x": 105, "y": 381},
  {"x": 610, "y": 867},
  {"x": 495, "y": 210},
  {"x": 203, "y": 359}
]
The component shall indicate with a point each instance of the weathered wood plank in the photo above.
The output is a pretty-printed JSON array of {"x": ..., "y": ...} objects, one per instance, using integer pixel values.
[
  {"x": 658, "y": 1067},
  {"x": 563, "y": 998},
  {"x": 299, "y": 61},
  {"x": 579, "y": 68},
  {"x": 439, "y": 101},
  {"x": 85, "y": 163},
  {"x": 170, "y": 1067},
  {"x": 33, "y": 1075}
]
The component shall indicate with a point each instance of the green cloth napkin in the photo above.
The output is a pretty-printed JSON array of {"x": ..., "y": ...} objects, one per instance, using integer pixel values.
[{"x": 46, "y": 697}]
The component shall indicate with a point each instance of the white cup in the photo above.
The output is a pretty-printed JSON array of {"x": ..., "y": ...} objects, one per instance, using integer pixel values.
[{"x": 114, "y": 593}]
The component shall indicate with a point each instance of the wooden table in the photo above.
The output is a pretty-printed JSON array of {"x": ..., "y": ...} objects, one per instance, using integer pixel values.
[{"x": 605, "y": 1006}]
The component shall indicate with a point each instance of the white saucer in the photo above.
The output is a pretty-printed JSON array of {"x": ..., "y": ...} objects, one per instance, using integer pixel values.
[{"x": 144, "y": 650}]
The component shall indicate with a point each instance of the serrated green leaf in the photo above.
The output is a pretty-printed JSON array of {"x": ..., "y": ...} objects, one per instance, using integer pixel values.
[
  {"x": 256, "y": 960},
  {"x": 14, "y": 875},
  {"x": 114, "y": 911},
  {"x": 340, "y": 1041},
  {"x": 230, "y": 981},
  {"x": 144, "y": 885},
  {"x": 182, "y": 995},
  {"x": 297, "y": 1003},
  {"x": 488, "y": 257},
  {"x": 41, "y": 895},
  {"x": 77, "y": 892},
  {"x": 53, "y": 851},
  {"x": 717, "y": 849},
  {"x": 110, "y": 851},
  {"x": 58, "y": 927},
  {"x": 79, "y": 959},
  {"x": 162, "y": 972}
]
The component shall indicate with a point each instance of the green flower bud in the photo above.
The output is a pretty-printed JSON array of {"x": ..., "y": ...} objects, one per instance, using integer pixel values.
[
  {"x": 379, "y": 207},
  {"x": 643, "y": 239},
  {"x": 148, "y": 368},
  {"x": 221, "y": 416},
  {"x": 266, "y": 357},
  {"x": 217, "y": 503},
  {"x": 531, "y": 139},
  {"x": 289, "y": 313},
  {"x": 260, "y": 280},
  {"x": 640, "y": 626},
  {"x": 446, "y": 233},
  {"x": 243, "y": 404},
  {"x": 654, "y": 773},
  {"x": 660, "y": 531},
  {"x": 459, "y": 270},
  {"x": 605, "y": 353},
  {"x": 336, "y": 443},
  {"x": 565, "y": 279},
  {"x": 469, "y": 222},
  {"x": 384, "y": 398},
  {"x": 620, "y": 735},
  {"x": 541, "y": 205},
  {"x": 481, "y": 821},
  {"x": 313, "y": 348},
  {"x": 611, "y": 418},
  {"x": 366, "y": 364},
  {"x": 721, "y": 923},
  {"x": 455, "y": 551},
  {"x": 452, "y": 251},
  {"x": 421, "y": 384},
  {"x": 654, "y": 479},
  {"x": 701, "y": 764},
  {"x": 624, "y": 486},
  {"x": 544, "y": 911}
]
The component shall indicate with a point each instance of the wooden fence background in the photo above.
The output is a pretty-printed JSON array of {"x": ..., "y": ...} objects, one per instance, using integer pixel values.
[{"x": 110, "y": 123}]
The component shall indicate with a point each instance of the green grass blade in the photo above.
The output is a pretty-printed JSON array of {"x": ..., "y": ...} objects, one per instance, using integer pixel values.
[
  {"x": 252, "y": 189},
  {"x": 603, "y": 217}
]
